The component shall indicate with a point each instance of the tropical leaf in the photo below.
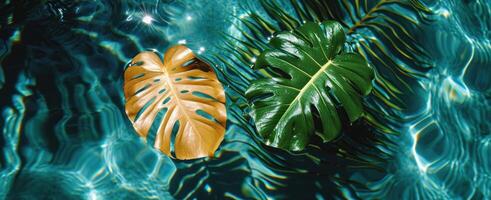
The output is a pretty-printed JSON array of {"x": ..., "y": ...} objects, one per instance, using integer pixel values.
[
  {"x": 179, "y": 104},
  {"x": 396, "y": 76},
  {"x": 310, "y": 77},
  {"x": 382, "y": 31},
  {"x": 369, "y": 143}
]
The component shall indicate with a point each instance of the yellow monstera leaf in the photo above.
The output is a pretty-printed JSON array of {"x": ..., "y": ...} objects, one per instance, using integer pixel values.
[{"x": 178, "y": 102}]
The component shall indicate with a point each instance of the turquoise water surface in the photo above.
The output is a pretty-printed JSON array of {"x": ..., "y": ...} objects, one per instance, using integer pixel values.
[{"x": 65, "y": 134}]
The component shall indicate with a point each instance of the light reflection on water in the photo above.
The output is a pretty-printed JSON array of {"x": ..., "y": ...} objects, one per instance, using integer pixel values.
[
  {"x": 65, "y": 133},
  {"x": 445, "y": 153}
]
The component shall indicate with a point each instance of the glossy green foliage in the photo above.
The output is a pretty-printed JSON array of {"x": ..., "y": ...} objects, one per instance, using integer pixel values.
[
  {"x": 384, "y": 32},
  {"x": 310, "y": 78}
]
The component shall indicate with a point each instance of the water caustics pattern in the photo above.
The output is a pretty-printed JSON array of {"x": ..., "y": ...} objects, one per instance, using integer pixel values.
[{"x": 65, "y": 134}]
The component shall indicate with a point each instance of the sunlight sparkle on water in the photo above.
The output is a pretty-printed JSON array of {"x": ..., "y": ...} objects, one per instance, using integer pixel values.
[
  {"x": 147, "y": 19},
  {"x": 201, "y": 50},
  {"x": 93, "y": 195},
  {"x": 443, "y": 12}
]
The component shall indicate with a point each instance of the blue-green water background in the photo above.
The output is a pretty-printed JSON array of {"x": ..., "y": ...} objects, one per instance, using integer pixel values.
[{"x": 65, "y": 134}]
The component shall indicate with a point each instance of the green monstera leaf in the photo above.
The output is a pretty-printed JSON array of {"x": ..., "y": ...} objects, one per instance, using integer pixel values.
[{"x": 310, "y": 79}]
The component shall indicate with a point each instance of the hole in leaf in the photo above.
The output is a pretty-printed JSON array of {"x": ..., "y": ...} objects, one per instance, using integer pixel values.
[
  {"x": 178, "y": 79},
  {"x": 140, "y": 112},
  {"x": 195, "y": 78},
  {"x": 161, "y": 91},
  {"x": 139, "y": 63},
  {"x": 152, "y": 132},
  {"x": 143, "y": 88},
  {"x": 166, "y": 100},
  {"x": 206, "y": 115},
  {"x": 203, "y": 95},
  {"x": 184, "y": 91},
  {"x": 137, "y": 76},
  {"x": 175, "y": 129},
  {"x": 156, "y": 80},
  {"x": 189, "y": 62}
]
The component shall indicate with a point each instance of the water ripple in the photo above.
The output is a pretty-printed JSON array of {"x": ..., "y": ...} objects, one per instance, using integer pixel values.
[{"x": 65, "y": 134}]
